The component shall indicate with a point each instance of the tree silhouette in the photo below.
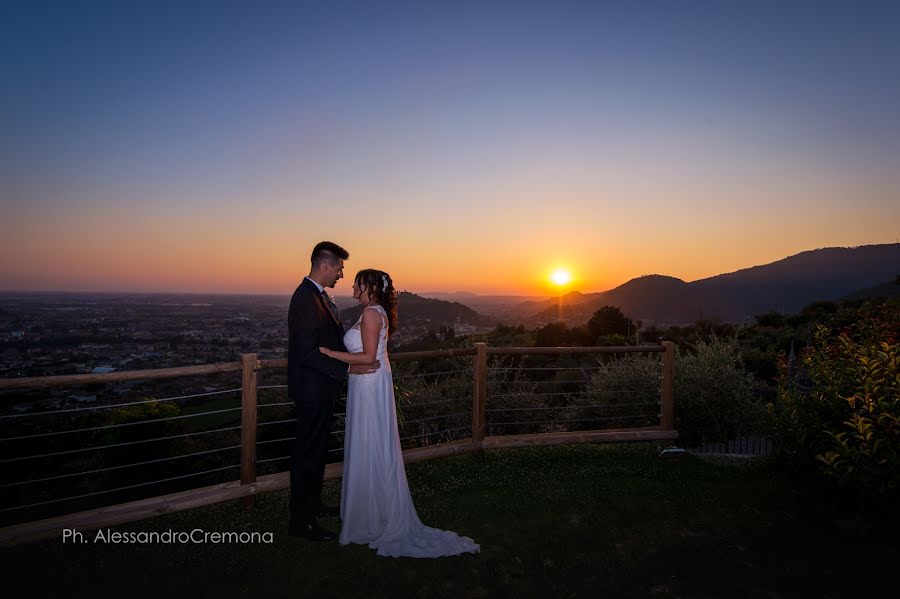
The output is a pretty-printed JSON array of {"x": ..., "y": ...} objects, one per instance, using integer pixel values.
[{"x": 609, "y": 320}]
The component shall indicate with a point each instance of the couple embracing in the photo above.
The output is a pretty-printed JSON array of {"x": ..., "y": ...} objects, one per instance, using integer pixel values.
[{"x": 376, "y": 506}]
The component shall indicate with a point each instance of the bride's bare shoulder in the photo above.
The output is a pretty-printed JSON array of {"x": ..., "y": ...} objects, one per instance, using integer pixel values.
[
  {"x": 369, "y": 314},
  {"x": 373, "y": 314}
]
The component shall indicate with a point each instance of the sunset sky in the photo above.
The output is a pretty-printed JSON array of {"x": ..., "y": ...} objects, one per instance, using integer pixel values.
[{"x": 207, "y": 146}]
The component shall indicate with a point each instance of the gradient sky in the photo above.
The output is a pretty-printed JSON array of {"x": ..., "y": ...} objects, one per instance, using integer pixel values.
[{"x": 207, "y": 146}]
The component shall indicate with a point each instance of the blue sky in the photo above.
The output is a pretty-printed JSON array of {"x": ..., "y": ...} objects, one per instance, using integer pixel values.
[{"x": 576, "y": 127}]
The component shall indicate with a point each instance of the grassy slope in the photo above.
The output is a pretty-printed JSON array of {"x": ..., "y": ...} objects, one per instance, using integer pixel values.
[{"x": 587, "y": 520}]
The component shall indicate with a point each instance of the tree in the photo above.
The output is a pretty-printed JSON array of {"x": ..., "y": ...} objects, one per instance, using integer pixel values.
[
  {"x": 770, "y": 319},
  {"x": 609, "y": 320},
  {"x": 553, "y": 334},
  {"x": 818, "y": 311}
]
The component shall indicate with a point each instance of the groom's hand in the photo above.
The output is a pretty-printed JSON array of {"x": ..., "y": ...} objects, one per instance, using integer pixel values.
[{"x": 364, "y": 368}]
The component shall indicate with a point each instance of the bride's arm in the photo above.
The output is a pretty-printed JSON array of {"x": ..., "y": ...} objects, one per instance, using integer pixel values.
[{"x": 370, "y": 328}]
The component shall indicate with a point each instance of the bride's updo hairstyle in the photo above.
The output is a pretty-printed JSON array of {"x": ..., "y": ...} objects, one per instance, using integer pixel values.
[{"x": 381, "y": 289}]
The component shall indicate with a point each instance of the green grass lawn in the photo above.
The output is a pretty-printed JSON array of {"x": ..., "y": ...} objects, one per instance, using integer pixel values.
[{"x": 568, "y": 521}]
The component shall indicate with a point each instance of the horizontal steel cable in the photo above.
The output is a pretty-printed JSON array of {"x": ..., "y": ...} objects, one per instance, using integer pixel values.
[
  {"x": 275, "y": 440},
  {"x": 120, "y": 425},
  {"x": 436, "y": 418},
  {"x": 119, "y": 405},
  {"x": 570, "y": 420},
  {"x": 424, "y": 374},
  {"x": 620, "y": 405},
  {"x": 22, "y": 507},
  {"x": 430, "y": 403},
  {"x": 284, "y": 457},
  {"x": 578, "y": 382},
  {"x": 267, "y": 423},
  {"x": 449, "y": 430},
  {"x": 512, "y": 368},
  {"x": 83, "y": 449},
  {"x": 177, "y": 457}
]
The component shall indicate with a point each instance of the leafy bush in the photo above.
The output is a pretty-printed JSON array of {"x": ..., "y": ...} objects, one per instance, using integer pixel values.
[
  {"x": 843, "y": 407},
  {"x": 716, "y": 398},
  {"x": 433, "y": 400},
  {"x": 626, "y": 389}
]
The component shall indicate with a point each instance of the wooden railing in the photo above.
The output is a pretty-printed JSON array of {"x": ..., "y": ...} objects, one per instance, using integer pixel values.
[{"x": 249, "y": 484}]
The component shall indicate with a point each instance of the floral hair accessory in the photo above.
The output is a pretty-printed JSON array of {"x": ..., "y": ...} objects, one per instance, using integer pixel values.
[{"x": 385, "y": 282}]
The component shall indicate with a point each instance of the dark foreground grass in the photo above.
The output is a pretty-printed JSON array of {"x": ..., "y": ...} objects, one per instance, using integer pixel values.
[{"x": 573, "y": 521}]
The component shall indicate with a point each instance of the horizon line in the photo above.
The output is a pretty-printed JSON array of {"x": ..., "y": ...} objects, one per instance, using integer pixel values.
[{"x": 457, "y": 291}]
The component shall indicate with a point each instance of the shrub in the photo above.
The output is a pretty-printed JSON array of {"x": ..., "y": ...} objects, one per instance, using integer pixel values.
[
  {"x": 845, "y": 415},
  {"x": 626, "y": 390},
  {"x": 716, "y": 398}
]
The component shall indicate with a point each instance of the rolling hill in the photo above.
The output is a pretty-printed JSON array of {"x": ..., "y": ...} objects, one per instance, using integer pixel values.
[
  {"x": 785, "y": 286},
  {"x": 413, "y": 308}
]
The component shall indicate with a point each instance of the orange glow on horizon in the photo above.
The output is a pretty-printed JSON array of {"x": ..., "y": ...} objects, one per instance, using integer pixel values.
[{"x": 248, "y": 252}]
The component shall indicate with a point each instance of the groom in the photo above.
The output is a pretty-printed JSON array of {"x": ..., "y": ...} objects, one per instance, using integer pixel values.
[{"x": 314, "y": 383}]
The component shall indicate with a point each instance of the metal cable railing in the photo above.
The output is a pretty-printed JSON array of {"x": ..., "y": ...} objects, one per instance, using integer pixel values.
[
  {"x": 119, "y": 405},
  {"x": 266, "y": 461},
  {"x": 532, "y": 368},
  {"x": 109, "y": 468},
  {"x": 112, "y": 445},
  {"x": 457, "y": 414},
  {"x": 432, "y": 374},
  {"x": 422, "y": 396},
  {"x": 275, "y": 440},
  {"x": 440, "y": 401},
  {"x": 125, "y": 488},
  {"x": 271, "y": 422},
  {"x": 440, "y": 432},
  {"x": 601, "y": 385},
  {"x": 569, "y": 406},
  {"x": 120, "y": 425},
  {"x": 558, "y": 420}
]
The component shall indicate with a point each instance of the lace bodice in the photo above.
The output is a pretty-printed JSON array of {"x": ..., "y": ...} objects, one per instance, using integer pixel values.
[{"x": 353, "y": 336}]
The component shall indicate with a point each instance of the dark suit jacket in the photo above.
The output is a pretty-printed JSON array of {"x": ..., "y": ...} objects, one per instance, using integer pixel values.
[{"x": 311, "y": 374}]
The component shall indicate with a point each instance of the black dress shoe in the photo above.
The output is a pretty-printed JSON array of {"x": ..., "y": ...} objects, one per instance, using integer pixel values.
[
  {"x": 310, "y": 530},
  {"x": 328, "y": 511}
]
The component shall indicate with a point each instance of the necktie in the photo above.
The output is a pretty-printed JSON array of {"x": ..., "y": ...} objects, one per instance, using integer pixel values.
[{"x": 330, "y": 303}]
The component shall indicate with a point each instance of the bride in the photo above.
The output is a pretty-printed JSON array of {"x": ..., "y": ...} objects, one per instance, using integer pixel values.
[{"x": 376, "y": 506}]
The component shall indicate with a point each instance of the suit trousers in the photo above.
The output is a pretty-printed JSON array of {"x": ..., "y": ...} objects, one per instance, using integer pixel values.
[{"x": 310, "y": 451}]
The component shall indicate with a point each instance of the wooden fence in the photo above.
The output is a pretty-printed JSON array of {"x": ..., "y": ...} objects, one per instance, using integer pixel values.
[{"x": 250, "y": 484}]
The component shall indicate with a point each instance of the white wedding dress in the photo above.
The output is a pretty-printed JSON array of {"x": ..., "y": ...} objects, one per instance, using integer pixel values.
[{"x": 376, "y": 506}]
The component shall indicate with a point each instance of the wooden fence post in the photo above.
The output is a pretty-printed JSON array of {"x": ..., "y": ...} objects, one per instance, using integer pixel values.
[
  {"x": 480, "y": 394},
  {"x": 249, "y": 367},
  {"x": 667, "y": 399}
]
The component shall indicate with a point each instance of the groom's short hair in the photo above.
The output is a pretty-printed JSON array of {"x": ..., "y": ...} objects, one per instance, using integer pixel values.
[{"x": 326, "y": 251}]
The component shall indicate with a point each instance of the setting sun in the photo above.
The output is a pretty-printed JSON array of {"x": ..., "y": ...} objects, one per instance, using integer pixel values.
[{"x": 561, "y": 277}]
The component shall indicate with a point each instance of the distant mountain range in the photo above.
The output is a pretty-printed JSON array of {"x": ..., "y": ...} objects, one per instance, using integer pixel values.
[
  {"x": 480, "y": 302},
  {"x": 414, "y": 308},
  {"x": 784, "y": 286},
  {"x": 450, "y": 295}
]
